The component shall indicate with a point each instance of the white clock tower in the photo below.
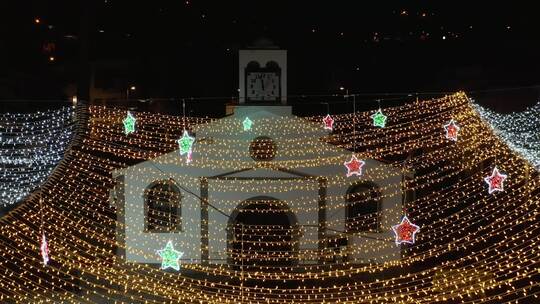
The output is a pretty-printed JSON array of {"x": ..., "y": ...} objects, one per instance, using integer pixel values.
[{"x": 263, "y": 74}]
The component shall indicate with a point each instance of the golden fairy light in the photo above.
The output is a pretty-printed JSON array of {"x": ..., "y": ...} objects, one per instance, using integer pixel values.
[{"x": 472, "y": 246}]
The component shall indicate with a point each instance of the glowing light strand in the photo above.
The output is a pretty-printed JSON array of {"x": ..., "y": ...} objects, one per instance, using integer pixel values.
[
  {"x": 519, "y": 130},
  {"x": 147, "y": 283},
  {"x": 31, "y": 145}
]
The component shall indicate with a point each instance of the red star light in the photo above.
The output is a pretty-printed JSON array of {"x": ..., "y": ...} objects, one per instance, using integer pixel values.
[
  {"x": 354, "y": 166},
  {"x": 405, "y": 232},
  {"x": 495, "y": 181},
  {"x": 328, "y": 122},
  {"x": 452, "y": 130}
]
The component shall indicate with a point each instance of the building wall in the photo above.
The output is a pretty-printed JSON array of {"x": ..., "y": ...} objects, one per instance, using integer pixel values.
[
  {"x": 391, "y": 205},
  {"x": 305, "y": 213},
  {"x": 141, "y": 247}
]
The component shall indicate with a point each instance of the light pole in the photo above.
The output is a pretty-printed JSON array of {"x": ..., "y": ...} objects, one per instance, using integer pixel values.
[
  {"x": 346, "y": 91},
  {"x": 131, "y": 88}
]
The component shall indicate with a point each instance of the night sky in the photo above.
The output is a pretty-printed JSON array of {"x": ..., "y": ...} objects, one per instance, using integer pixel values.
[{"x": 190, "y": 48}]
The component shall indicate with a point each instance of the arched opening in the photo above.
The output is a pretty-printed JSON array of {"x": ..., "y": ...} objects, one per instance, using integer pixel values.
[
  {"x": 363, "y": 208},
  {"x": 162, "y": 207},
  {"x": 262, "y": 232},
  {"x": 272, "y": 65},
  {"x": 253, "y": 65}
]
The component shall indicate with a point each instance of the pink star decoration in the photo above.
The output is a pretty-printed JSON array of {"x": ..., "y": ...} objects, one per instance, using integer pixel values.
[
  {"x": 452, "y": 130},
  {"x": 495, "y": 181},
  {"x": 354, "y": 166},
  {"x": 405, "y": 231},
  {"x": 44, "y": 250},
  {"x": 328, "y": 122}
]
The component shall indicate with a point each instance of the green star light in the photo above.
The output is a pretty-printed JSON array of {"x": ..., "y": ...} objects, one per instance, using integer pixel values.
[
  {"x": 170, "y": 257},
  {"x": 379, "y": 119},
  {"x": 247, "y": 124},
  {"x": 185, "y": 143},
  {"x": 129, "y": 123}
]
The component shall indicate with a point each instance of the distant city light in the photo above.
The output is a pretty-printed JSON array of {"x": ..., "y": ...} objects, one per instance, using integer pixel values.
[
  {"x": 37, "y": 21},
  {"x": 132, "y": 88},
  {"x": 443, "y": 37},
  {"x": 51, "y": 58}
]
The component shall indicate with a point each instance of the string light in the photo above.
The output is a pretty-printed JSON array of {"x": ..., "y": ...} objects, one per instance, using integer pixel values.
[
  {"x": 473, "y": 246},
  {"x": 520, "y": 131},
  {"x": 31, "y": 145}
]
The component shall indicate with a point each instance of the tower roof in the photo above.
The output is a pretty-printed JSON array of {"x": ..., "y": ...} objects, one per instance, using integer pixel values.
[{"x": 263, "y": 43}]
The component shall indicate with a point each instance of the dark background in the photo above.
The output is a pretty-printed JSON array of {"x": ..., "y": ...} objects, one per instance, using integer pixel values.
[{"x": 177, "y": 49}]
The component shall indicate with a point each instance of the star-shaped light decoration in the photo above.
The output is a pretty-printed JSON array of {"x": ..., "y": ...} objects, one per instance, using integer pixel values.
[
  {"x": 495, "y": 181},
  {"x": 379, "y": 119},
  {"x": 247, "y": 124},
  {"x": 354, "y": 166},
  {"x": 328, "y": 122},
  {"x": 129, "y": 123},
  {"x": 405, "y": 231},
  {"x": 452, "y": 130},
  {"x": 170, "y": 257},
  {"x": 185, "y": 143},
  {"x": 44, "y": 248}
]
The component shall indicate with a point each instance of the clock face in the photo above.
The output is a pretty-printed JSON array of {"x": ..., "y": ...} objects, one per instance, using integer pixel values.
[{"x": 263, "y": 86}]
